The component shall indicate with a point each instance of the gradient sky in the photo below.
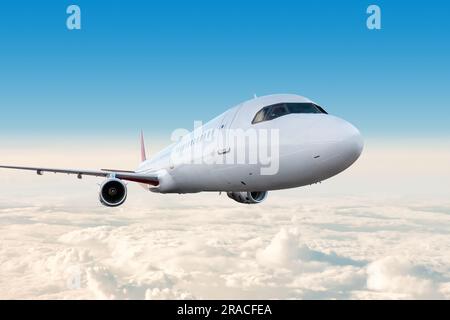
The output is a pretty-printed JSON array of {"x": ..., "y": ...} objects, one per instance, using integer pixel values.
[{"x": 160, "y": 65}]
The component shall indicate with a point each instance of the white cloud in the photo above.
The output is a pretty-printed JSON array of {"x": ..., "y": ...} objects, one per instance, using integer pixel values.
[
  {"x": 340, "y": 248},
  {"x": 283, "y": 251},
  {"x": 401, "y": 277}
]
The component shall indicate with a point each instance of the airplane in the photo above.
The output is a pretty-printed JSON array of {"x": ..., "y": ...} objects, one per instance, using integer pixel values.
[{"x": 306, "y": 146}]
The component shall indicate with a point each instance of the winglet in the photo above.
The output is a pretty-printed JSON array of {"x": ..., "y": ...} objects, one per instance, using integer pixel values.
[{"x": 143, "y": 156}]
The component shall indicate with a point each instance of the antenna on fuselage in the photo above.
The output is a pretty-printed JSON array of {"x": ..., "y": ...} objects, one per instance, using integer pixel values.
[{"x": 255, "y": 96}]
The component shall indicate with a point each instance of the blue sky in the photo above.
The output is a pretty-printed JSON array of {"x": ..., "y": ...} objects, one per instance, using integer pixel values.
[{"x": 160, "y": 65}]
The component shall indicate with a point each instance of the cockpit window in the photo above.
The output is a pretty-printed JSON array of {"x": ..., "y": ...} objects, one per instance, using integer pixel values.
[
  {"x": 260, "y": 116},
  {"x": 277, "y": 110},
  {"x": 281, "y": 109},
  {"x": 303, "y": 108}
]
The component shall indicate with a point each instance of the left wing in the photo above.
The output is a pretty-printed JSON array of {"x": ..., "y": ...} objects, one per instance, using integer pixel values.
[{"x": 151, "y": 179}]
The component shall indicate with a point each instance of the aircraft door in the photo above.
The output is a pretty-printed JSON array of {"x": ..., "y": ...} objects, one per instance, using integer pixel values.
[{"x": 224, "y": 133}]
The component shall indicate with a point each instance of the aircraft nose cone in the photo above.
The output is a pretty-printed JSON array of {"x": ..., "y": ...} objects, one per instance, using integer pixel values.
[{"x": 353, "y": 142}]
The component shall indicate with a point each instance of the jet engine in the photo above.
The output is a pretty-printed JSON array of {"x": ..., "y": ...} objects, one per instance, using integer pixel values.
[
  {"x": 248, "y": 197},
  {"x": 113, "y": 192}
]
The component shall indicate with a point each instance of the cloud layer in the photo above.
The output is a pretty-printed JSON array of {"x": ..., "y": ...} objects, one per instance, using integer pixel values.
[{"x": 206, "y": 246}]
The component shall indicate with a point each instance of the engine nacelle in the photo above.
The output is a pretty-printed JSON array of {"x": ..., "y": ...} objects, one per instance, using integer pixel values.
[
  {"x": 248, "y": 197},
  {"x": 113, "y": 192}
]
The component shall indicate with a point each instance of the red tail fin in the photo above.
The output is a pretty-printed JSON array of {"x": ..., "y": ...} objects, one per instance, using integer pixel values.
[{"x": 143, "y": 156}]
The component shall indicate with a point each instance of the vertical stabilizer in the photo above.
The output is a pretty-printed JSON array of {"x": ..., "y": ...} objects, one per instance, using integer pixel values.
[{"x": 143, "y": 155}]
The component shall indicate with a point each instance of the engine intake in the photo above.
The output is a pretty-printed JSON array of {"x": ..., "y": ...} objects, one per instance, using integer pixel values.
[
  {"x": 113, "y": 193},
  {"x": 248, "y": 197}
]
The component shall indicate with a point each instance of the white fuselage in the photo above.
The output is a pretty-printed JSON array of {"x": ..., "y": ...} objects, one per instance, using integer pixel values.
[{"x": 309, "y": 148}]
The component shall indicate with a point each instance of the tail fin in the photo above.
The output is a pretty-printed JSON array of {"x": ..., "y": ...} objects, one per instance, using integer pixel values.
[{"x": 143, "y": 156}]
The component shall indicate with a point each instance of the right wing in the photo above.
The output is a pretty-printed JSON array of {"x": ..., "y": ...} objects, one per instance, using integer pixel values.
[{"x": 151, "y": 179}]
